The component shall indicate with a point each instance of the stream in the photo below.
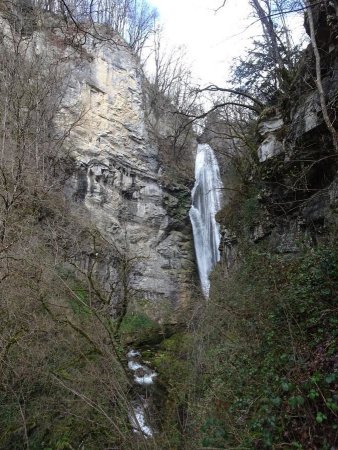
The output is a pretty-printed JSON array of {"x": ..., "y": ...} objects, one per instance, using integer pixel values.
[{"x": 144, "y": 379}]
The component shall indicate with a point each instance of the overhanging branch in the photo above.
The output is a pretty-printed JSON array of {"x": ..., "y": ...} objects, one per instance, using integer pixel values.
[
  {"x": 214, "y": 108},
  {"x": 215, "y": 88}
]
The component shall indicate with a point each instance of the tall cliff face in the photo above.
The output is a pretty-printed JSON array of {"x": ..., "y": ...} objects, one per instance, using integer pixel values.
[
  {"x": 298, "y": 161},
  {"x": 118, "y": 179}
]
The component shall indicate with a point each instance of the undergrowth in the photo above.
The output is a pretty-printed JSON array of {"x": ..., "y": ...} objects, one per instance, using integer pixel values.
[{"x": 268, "y": 342}]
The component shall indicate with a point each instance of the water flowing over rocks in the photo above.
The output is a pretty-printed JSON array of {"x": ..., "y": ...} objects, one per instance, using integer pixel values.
[
  {"x": 206, "y": 202},
  {"x": 144, "y": 377}
]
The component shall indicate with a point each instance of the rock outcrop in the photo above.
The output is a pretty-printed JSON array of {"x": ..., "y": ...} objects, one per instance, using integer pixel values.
[
  {"x": 118, "y": 179},
  {"x": 271, "y": 145},
  {"x": 291, "y": 198}
]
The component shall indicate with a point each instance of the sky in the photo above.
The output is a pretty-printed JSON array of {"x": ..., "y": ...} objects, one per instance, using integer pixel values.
[{"x": 212, "y": 39}]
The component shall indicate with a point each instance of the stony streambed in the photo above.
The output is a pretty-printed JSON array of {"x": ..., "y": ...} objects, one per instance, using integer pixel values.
[{"x": 144, "y": 380}]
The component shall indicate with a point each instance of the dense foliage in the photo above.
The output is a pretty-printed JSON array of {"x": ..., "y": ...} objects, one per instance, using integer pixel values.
[
  {"x": 257, "y": 369},
  {"x": 269, "y": 338},
  {"x": 62, "y": 384}
]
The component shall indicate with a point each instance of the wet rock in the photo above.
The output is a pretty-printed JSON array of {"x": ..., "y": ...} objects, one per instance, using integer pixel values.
[
  {"x": 144, "y": 377},
  {"x": 228, "y": 248}
]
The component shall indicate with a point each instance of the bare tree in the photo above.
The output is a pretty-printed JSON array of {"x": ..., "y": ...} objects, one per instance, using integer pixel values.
[
  {"x": 172, "y": 98},
  {"x": 133, "y": 20},
  {"x": 57, "y": 343}
]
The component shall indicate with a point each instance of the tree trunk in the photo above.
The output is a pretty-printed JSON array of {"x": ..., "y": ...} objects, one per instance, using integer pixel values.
[{"x": 319, "y": 83}]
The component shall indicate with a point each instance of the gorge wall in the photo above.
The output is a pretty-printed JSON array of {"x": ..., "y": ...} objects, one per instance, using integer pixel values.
[{"x": 118, "y": 177}]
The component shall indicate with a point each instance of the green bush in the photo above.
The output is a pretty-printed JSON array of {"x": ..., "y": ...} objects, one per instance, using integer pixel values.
[
  {"x": 139, "y": 328},
  {"x": 268, "y": 336}
]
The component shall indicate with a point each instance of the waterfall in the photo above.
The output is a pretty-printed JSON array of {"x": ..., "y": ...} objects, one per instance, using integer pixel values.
[{"x": 206, "y": 201}]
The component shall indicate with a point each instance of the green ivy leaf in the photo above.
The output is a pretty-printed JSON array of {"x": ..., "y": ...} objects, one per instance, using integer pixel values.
[
  {"x": 320, "y": 417},
  {"x": 313, "y": 394},
  {"x": 330, "y": 378},
  {"x": 296, "y": 400},
  {"x": 276, "y": 401}
]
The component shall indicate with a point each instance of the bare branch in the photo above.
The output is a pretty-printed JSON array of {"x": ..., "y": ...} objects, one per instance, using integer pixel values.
[
  {"x": 214, "y": 88},
  {"x": 220, "y": 7}
]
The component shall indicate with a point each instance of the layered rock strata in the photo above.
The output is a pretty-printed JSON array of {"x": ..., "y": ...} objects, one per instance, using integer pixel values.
[{"x": 118, "y": 179}]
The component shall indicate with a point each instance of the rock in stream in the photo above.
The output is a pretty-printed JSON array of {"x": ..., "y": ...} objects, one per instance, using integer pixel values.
[{"x": 144, "y": 378}]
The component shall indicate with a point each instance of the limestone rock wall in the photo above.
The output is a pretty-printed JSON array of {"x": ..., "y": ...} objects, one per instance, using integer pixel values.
[{"x": 118, "y": 179}]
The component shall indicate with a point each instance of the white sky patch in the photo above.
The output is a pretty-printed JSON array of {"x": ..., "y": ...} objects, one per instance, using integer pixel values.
[{"x": 213, "y": 40}]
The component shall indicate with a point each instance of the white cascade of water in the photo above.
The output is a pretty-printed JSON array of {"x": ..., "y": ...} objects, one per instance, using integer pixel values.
[
  {"x": 144, "y": 377},
  {"x": 206, "y": 202}
]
